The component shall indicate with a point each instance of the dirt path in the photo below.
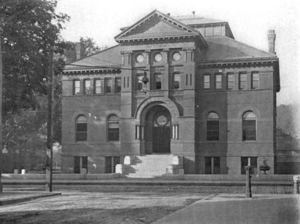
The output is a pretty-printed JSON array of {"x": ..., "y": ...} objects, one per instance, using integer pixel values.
[{"x": 91, "y": 207}]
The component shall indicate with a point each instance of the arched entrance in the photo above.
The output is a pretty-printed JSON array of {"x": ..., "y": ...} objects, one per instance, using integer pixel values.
[{"x": 158, "y": 130}]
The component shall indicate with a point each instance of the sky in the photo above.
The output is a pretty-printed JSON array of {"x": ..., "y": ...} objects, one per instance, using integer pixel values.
[{"x": 248, "y": 20}]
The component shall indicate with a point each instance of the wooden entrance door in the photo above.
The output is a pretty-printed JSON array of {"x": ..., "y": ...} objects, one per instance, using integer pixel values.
[{"x": 161, "y": 133}]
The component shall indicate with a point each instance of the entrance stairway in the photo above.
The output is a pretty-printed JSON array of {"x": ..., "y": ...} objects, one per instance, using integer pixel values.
[{"x": 148, "y": 166}]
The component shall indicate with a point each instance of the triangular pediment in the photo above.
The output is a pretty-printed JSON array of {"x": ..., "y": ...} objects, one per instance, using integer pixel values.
[{"x": 156, "y": 25}]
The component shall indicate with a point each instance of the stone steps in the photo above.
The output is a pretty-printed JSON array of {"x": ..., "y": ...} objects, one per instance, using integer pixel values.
[{"x": 148, "y": 166}]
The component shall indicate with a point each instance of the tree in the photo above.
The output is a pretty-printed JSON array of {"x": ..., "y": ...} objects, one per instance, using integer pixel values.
[
  {"x": 89, "y": 45},
  {"x": 30, "y": 29}
]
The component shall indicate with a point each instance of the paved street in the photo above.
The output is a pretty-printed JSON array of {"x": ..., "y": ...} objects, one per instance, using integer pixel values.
[{"x": 222, "y": 209}]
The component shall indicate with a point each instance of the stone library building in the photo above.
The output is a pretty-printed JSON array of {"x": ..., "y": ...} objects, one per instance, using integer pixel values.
[{"x": 176, "y": 94}]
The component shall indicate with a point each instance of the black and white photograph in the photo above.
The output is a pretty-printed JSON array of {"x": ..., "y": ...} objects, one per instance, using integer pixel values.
[{"x": 162, "y": 111}]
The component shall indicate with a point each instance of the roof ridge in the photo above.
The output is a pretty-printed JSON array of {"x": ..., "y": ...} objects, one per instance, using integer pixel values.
[
  {"x": 234, "y": 40},
  {"x": 98, "y": 52}
]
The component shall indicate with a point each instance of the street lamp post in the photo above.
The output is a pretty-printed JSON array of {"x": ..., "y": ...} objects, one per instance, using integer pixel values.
[
  {"x": 1, "y": 84},
  {"x": 50, "y": 123}
]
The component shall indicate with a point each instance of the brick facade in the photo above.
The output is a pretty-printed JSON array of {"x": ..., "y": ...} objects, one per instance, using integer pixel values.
[{"x": 173, "y": 58}]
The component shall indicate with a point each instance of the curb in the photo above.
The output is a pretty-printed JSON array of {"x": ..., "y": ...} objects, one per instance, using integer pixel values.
[{"x": 19, "y": 200}]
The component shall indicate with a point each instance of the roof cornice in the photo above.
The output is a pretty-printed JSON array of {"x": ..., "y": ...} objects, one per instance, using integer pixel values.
[{"x": 238, "y": 62}]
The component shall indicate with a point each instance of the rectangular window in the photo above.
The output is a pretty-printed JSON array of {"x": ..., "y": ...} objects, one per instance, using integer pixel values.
[
  {"x": 230, "y": 81},
  {"x": 213, "y": 130},
  {"x": 80, "y": 163},
  {"x": 118, "y": 85},
  {"x": 209, "y": 31},
  {"x": 254, "y": 80},
  {"x": 207, "y": 82},
  {"x": 77, "y": 164},
  {"x": 87, "y": 87},
  {"x": 243, "y": 81},
  {"x": 76, "y": 87},
  {"x": 249, "y": 130},
  {"x": 81, "y": 131},
  {"x": 108, "y": 85},
  {"x": 217, "y": 31},
  {"x": 139, "y": 81},
  {"x": 176, "y": 81},
  {"x": 218, "y": 81},
  {"x": 157, "y": 80},
  {"x": 212, "y": 165},
  {"x": 110, "y": 163},
  {"x": 98, "y": 86},
  {"x": 249, "y": 161}
]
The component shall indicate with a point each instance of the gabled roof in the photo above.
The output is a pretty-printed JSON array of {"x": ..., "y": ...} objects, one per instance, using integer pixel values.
[
  {"x": 225, "y": 48},
  {"x": 157, "y": 25},
  {"x": 108, "y": 59},
  {"x": 195, "y": 20}
]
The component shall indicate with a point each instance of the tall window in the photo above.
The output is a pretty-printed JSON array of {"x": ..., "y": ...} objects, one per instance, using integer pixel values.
[
  {"x": 81, "y": 128},
  {"x": 249, "y": 126},
  {"x": 157, "y": 77},
  {"x": 76, "y": 85},
  {"x": 87, "y": 87},
  {"x": 206, "y": 81},
  {"x": 98, "y": 86},
  {"x": 80, "y": 163},
  {"x": 254, "y": 80},
  {"x": 118, "y": 85},
  {"x": 242, "y": 81},
  {"x": 212, "y": 127},
  {"x": 218, "y": 81},
  {"x": 113, "y": 128},
  {"x": 139, "y": 81},
  {"x": 176, "y": 81},
  {"x": 212, "y": 165},
  {"x": 108, "y": 85},
  {"x": 249, "y": 161},
  {"x": 230, "y": 81},
  {"x": 110, "y": 163}
]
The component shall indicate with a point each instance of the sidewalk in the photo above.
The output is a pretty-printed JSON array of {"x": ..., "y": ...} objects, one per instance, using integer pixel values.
[
  {"x": 146, "y": 181},
  {"x": 261, "y": 209},
  {"x": 12, "y": 197}
]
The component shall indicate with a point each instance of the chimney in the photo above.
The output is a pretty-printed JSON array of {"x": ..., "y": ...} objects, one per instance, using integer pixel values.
[
  {"x": 193, "y": 13},
  {"x": 271, "y": 39},
  {"x": 168, "y": 14},
  {"x": 79, "y": 48}
]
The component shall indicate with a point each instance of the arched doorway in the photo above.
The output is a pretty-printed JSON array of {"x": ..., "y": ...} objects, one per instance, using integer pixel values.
[{"x": 158, "y": 130}]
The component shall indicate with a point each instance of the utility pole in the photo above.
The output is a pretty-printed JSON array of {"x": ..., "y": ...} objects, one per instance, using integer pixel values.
[
  {"x": 50, "y": 124},
  {"x": 1, "y": 89}
]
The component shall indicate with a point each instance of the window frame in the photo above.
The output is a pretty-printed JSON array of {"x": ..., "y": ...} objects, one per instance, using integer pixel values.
[
  {"x": 206, "y": 83},
  {"x": 81, "y": 132},
  {"x": 243, "y": 83},
  {"x": 249, "y": 125},
  {"x": 87, "y": 91},
  {"x": 113, "y": 132},
  {"x": 230, "y": 83},
  {"x": 255, "y": 82},
  {"x": 106, "y": 86},
  {"x": 176, "y": 74},
  {"x": 97, "y": 87},
  {"x": 157, "y": 74},
  {"x": 211, "y": 133},
  {"x": 220, "y": 82},
  {"x": 118, "y": 88},
  {"x": 78, "y": 87}
]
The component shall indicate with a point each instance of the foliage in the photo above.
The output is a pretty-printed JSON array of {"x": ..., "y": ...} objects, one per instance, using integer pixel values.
[
  {"x": 89, "y": 47},
  {"x": 30, "y": 30}
]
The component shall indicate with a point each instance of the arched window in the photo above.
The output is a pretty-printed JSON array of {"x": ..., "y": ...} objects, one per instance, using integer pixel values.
[
  {"x": 81, "y": 128},
  {"x": 212, "y": 126},
  {"x": 249, "y": 126},
  {"x": 113, "y": 128}
]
